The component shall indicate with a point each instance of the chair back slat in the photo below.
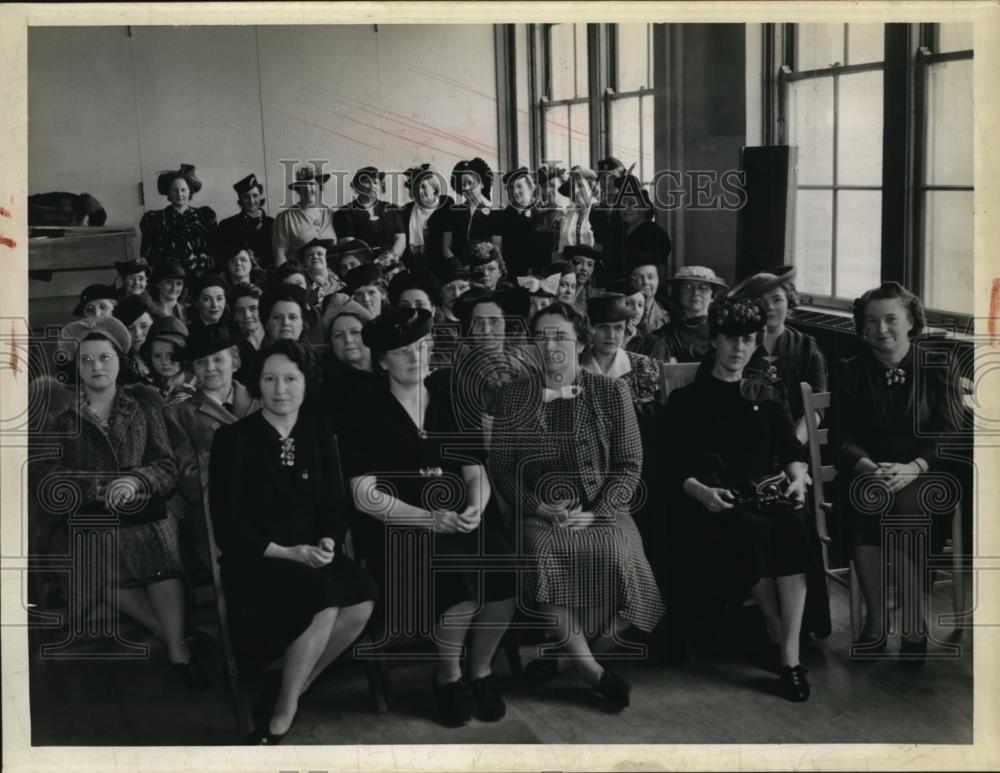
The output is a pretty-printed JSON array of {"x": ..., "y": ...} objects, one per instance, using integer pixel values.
[{"x": 674, "y": 375}]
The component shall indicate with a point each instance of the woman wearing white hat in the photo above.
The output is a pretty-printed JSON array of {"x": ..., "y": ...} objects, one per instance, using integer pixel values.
[{"x": 693, "y": 288}]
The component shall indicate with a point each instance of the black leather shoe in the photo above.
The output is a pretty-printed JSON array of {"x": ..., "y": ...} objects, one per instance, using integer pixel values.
[
  {"x": 794, "y": 685},
  {"x": 193, "y": 674},
  {"x": 489, "y": 705},
  {"x": 454, "y": 702},
  {"x": 913, "y": 653},
  {"x": 615, "y": 690},
  {"x": 262, "y": 736},
  {"x": 538, "y": 672}
]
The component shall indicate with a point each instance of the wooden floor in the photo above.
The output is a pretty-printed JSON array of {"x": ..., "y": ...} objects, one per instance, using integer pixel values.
[{"x": 719, "y": 697}]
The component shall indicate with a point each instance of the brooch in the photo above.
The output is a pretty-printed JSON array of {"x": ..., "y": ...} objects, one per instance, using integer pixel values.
[
  {"x": 895, "y": 376},
  {"x": 288, "y": 452}
]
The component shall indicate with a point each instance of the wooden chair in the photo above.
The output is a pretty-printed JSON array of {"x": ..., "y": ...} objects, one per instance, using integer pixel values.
[
  {"x": 813, "y": 402},
  {"x": 674, "y": 375}
]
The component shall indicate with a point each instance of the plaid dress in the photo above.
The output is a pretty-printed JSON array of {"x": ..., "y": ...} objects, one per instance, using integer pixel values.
[{"x": 586, "y": 449}]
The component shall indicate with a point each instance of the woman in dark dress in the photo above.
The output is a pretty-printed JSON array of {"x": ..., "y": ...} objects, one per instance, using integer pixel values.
[
  {"x": 735, "y": 432},
  {"x": 208, "y": 302},
  {"x": 527, "y": 234},
  {"x": 786, "y": 356},
  {"x": 424, "y": 217},
  {"x": 136, "y": 313},
  {"x": 348, "y": 373},
  {"x": 890, "y": 412},
  {"x": 245, "y": 304},
  {"x": 651, "y": 345},
  {"x": 412, "y": 471},
  {"x": 420, "y": 290},
  {"x": 168, "y": 287},
  {"x": 369, "y": 218},
  {"x": 179, "y": 232},
  {"x": 686, "y": 336},
  {"x": 293, "y": 275},
  {"x": 472, "y": 220},
  {"x": 567, "y": 455},
  {"x": 280, "y": 516}
]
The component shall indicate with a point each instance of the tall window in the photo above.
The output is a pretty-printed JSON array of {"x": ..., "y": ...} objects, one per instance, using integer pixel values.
[
  {"x": 944, "y": 184},
  {"x": 834, "y": 119},
  {"x": 630, "y": 97},
  {"x": 566, "y": 126}
]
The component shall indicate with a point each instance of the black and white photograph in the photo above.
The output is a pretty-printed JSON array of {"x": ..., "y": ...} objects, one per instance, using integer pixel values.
[{"x": 612, "y": 377}]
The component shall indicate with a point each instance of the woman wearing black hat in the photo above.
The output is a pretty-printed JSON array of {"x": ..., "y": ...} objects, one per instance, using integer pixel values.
[
  {"x": 786, "y": 356},
  {"x": 116, "y": 456},
  {"x": 208, "y": 302},
  {"x": 894, "y": 405},
  {"x": 454, "y": 280},
  {"x": 251, "y": 227},
  {"x": 633, "y": 288},
  {"x": 96, "y": 301},
  {"x": 366, "y": 286},
  {"x": 293, "y": 275},
  {"x": 218, "y": 399},
  {"x": 606, "y": 355},
  {"x": 420, "y": 290},
  {"x": 284, "y": 312},
  {"x": 163, "y": 349},
  {"x": 280, "y": 515},
  {"x": 424, "y": 217},
  {"x": 309, "y": 219},
  {"x": 168, "y": 287},
  {"x": 408, "y": 478},
  {"x": 472, "y": 220},
  {"x": 179, "y": 232},
  {"x": 743, "y": 478},
  {"x": 136, "y": 313},
  {"x": 343, "y": 256},
  {"x": 567, "y": 456},
  {"x": 371, "y": 219},
  {"x": 487, "y": 266},
  {"x": 527, "y": 234},
  {"x": 134, "y": 277}
]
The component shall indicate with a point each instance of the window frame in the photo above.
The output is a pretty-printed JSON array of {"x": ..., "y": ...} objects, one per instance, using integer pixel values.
[
  {"x": 612, "y": 94},
  {"x": 544, "y": 103}
]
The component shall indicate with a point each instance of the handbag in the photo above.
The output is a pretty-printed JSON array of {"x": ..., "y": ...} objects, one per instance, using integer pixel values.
[{"x": 764, "y": 495}]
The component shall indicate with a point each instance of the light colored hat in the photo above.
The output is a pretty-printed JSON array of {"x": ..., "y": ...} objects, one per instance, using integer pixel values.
[
  {"x": 108, "y": 327},
  {"x": 697, "y": 274}
]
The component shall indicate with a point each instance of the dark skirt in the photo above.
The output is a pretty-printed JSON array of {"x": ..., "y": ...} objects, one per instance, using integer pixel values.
[
  {"x": 149, "y": 553},
  {"x": 272, "y": 601}
]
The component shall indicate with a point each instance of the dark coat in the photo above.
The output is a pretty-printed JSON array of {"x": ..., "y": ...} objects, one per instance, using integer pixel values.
[{"x": 238, "y": 231}]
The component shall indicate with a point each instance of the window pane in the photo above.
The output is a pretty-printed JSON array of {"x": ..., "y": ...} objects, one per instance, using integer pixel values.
[
  {"x": 810, "y": 111},
  {"x": 865, "y": 43},
  {"x": 581, "y": 60},
  {"x": 813, "y": 241},
  {"x": 949, "y": 275},
  {"x": 818, "y": 45},
  {"x": 859, "y": 242},
  {"x": 859, "y": 129},
  {"x": 647, "y": 162},
  {"x": 557, "y": 135},
  {"x": 579, "y": 135},
  {"x": 949, "y": 123},
  {"x": 625, "y": 129},
  {"x": 523, "y": 108},
  {"x": 561, "y": 62},
  {"x": 954, "y": 37},
  {"x": 633, "y": 57}
]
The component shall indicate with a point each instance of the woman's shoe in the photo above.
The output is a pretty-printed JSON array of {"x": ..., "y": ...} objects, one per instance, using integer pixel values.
[
  {"x": 615, "y": 690},
  {"x": 200, "y": 642},
  {"x": 262, "y": 735},
  {"x": 538, "y": 672},
  {"x": 794, "y": 685},
  {"x": 913, "y": 653},
  {"x": 454, "y": 703},
  {"x": 489, "y": 704},
  {"x": 193, "y": 674}
]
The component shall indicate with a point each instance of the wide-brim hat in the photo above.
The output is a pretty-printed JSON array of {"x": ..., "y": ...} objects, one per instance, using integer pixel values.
[
  {"x": 365, "y": 274},
  {"x": 326, "y": 244},
  {"x": 130, "y": 308},
  {"x": 169, "y": 270},
  {"x": 248, "y": 183},
  {"x": 371, "y": 174},
  {"x": 208, "y": 280},
  {"x": 169, "y": 328},
  {"x": 697, "y": 274},
  {"x": 736, "y": 316},
  {"x": 608, "y": 307},
  {"x": 341, "y": 250},
  {"x": 571, "y": 251},
  {"x": 578, "y": 175},
  {"x": 134, "y": 266},
  {"x": 209, "y": 339},
  {"x": 308, "y": 174},
  {"x": 763, "y": 282},
  {"x": 110, "y": 328},
  {"x": 186, "y": 172},
  {"x": 94, "y": 293},
  {"x": 395, "y": 328},
  {"x": 476, "y": 166}
]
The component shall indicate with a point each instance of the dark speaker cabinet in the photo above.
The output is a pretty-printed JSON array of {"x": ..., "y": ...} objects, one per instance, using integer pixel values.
[{"x": 765, "y": 227}]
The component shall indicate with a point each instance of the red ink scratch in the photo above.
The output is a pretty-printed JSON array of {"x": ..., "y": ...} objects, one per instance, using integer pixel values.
[
  {"x": 6, "y": 241},
  {"x": 991, "y": 321},
  {"x": 14, "y": 361},
  {"x": 5, "y": 212}
]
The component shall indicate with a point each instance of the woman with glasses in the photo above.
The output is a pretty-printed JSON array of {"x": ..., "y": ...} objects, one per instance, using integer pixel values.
[
  {"x": 567, "y": 455},
  {"x": 409, "y": 479},
  {"x": 693, "y": 288}
]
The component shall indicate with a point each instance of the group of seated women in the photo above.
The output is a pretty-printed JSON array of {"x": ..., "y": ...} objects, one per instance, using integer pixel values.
[{"x": 471, "y": 436}]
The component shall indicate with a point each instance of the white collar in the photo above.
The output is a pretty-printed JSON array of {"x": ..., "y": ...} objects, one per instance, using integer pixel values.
[{"x": 620, "y": 365}]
